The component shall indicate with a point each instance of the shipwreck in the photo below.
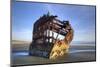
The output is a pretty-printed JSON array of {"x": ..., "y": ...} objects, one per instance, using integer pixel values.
[{"x": 51, "y": 37}]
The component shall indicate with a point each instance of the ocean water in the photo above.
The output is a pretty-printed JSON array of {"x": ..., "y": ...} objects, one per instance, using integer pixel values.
[
  {"x": 26, "y": 53},
  {"x": 77, "y": 53}
]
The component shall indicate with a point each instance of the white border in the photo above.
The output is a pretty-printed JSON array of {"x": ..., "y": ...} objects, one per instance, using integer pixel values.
[
  {"x": 87, "y": 2},
  {"x": 4, "y": 33}
]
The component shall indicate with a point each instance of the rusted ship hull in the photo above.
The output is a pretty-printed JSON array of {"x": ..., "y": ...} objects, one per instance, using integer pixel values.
[{"x": 46, "y": 41}]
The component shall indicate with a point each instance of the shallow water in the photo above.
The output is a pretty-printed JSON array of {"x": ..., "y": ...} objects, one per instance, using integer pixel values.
[
  {"x": 25, "y": 53},
  {"x": 76, "y": 54}
]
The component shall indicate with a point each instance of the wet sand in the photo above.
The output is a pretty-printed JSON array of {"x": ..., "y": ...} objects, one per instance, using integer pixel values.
[{"x": 76, "y": 54}]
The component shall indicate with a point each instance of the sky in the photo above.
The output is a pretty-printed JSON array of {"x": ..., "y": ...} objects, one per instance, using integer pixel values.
[{"x": 24, "y": 14}]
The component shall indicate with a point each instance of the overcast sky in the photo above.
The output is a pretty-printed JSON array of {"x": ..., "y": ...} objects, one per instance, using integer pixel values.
[{"x": 24, "y": 14}]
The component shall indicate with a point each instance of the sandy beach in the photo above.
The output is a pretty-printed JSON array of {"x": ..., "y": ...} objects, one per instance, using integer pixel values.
[{"x": 77, "y": 53}]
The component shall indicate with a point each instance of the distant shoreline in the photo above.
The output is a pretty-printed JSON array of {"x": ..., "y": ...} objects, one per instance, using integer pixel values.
[{"x": 24, "y": 45}]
